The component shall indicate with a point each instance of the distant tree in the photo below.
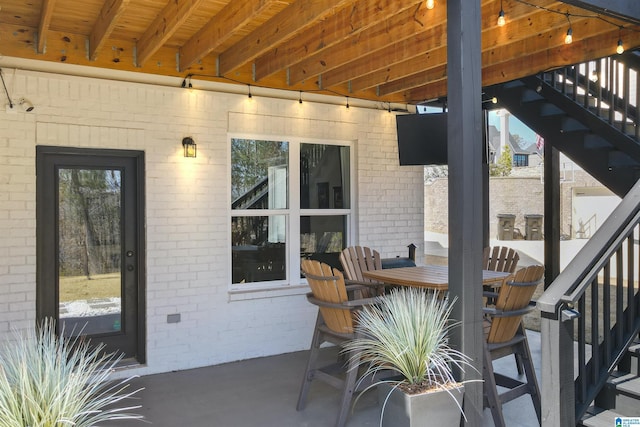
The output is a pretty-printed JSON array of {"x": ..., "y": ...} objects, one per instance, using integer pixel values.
[{"x": 504, "y": 164}]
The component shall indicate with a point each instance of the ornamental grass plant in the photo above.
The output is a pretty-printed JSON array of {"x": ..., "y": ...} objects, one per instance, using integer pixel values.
[
  {"x": 52, "y": 381},
  {"x": 406, "y": 332}
]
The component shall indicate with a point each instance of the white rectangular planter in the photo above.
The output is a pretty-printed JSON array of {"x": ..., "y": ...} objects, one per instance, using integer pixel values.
[{"x": 437, "y": 408}]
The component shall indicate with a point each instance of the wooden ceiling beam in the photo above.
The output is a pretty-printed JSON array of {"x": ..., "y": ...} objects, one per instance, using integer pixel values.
[
  {"x": 166, "y": 23},
  {"x": 347, "y": 22},
  {"x": 507, "y": 45},
  {"x": 380, "y": 66},
  {"x": 224, "y": 25},
  {"x": 502, "y": 56},
  {"x": 597, "y": 45},
  {"x": 432, "y": 90},
  {"x": 107, "y": 19},
  {"x": 414, "y": 80},
  {"x": 398, "y": 27},
  {"x": 45, "y": 21},
  {"x": 293, "y": 20}
]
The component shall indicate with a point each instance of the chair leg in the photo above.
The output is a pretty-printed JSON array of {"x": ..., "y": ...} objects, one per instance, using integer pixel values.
[
  {"x": 347, "y": 392},
  {"x": 311, "y": 364},
  {"x": 491, "y": 390},
  {"x": 519, "y": 364},
  {"x": 532, "y": 381}
]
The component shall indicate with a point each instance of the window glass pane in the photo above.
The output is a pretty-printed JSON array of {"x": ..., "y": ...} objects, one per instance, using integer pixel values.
[
  {"x": 258, "y": 248},
  {"x": 324, "y": 177},
  {"x": 259, "y": 174},
  {"x": 323, "y": 238}
]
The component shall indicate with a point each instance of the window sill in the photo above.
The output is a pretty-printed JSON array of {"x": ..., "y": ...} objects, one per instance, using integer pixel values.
[{"x": 238, "y": 294}]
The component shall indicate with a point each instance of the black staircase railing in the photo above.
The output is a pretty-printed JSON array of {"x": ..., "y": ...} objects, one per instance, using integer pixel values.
[
  {"x": 590, "y": 315},
  {"x": 608, "y": 87},
  {"x": 590, "y": 112}
]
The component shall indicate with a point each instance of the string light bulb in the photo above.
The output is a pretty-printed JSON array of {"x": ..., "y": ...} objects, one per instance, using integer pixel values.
[
  {"x": 568, "y": 39},
  {"x": 300, "y": 98},
  {"x": 501, "y": 20},
  {"x": 347, "y": 102},
  {"x": 249, "y": 94},
  {"x": 431, "y": 4},
  {"x": 620, "y": 47}
]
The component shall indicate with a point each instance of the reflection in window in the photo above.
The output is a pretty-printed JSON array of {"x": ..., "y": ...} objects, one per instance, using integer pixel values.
[
  {"x": 259, "y": 174},
  {"x": 263, "y": 209},
  {"x": 258, "y": 252},
  {"x": 324, "y": 176},
  {"x": 323, "y": 238}
]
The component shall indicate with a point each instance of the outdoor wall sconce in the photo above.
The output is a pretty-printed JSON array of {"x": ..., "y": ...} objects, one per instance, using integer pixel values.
[{"x": 189, "y": 146}]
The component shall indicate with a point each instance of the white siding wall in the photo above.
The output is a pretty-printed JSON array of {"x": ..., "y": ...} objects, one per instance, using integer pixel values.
[{"x": 187, "y": 204}]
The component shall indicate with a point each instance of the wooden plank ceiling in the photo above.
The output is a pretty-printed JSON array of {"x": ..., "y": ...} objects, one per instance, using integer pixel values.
[{"x": 382, "y": 50}]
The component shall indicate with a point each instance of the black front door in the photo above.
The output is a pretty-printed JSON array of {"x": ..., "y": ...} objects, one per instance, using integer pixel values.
[{"x": 90, "y": 258}]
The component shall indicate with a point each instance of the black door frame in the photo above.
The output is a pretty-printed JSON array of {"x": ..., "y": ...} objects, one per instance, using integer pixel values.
[{"x": 47, "y": 159}]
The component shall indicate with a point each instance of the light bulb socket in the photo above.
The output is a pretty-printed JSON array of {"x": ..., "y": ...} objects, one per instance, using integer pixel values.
[
  {"x": 568, "y": 39},
  {"x": 501, "y": 20}
]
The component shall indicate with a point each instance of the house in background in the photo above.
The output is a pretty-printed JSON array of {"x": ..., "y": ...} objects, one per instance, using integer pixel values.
[{"x": 524, "y": 152}]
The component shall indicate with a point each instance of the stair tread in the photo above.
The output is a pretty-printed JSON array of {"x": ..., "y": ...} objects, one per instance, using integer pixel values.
[
  {"x": 600, "y": 418},
  {"x": 631, "y": 386}
]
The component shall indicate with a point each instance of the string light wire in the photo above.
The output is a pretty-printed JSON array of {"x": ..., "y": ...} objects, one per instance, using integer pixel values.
[
  {"x": 569, "y": 34},
  {"x": 501, "y": 19}
]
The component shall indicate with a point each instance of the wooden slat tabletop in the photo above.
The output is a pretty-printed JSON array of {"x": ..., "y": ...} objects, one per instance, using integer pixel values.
[{"x": 428, "y": 276}]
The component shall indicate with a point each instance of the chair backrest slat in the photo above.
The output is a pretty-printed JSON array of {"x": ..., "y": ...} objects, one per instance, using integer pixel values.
[
  {"x": 500, "y": 258},
  {"x": 514, "y": 295},
  {"x": 328, "y": 285},
  {"x": 356, "y": 259}
]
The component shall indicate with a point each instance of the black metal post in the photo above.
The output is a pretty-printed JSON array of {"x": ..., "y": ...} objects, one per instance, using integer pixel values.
[{"x": 551, "y": 214}]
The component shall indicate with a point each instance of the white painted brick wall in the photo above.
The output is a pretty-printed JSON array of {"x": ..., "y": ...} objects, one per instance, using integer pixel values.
[{"x": 187, "y": 204}]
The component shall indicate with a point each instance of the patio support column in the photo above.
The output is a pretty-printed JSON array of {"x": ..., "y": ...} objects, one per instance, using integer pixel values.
[
  {"x": 551, "y": 214},
  {"x": 465, "y": 147}
]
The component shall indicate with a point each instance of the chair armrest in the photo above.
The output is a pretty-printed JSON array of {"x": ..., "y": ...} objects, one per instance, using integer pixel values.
[
  {"x": 490, "y": 294},
  {"x": 346, "y": 305},
  {"x": 493, "y": 312},
  {"x": 355, "y": 286},
  {"x": 368, "y": 285}
]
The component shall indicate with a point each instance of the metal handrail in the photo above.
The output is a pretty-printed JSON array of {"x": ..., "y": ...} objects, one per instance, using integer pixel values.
[
  {"x": 567, "y": 288},
  {"x": 600, "y": 339}
]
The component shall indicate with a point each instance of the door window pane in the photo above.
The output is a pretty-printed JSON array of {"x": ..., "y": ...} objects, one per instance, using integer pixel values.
[
  {"x": 324, "y": 176},
  {"x": 259, "y": 174},
  {"x": 258, "y": 248},
  {"x": 89, "y": 248}
]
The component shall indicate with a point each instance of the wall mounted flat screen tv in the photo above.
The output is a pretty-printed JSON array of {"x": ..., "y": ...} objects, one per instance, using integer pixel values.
[{"x": 422, "y": 139}]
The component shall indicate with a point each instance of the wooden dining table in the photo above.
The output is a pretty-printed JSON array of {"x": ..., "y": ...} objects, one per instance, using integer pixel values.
[{"x": 434, "y": 277}]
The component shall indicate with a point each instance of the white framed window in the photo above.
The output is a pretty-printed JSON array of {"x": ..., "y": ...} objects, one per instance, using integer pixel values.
[{"x": 290, "y": 198}]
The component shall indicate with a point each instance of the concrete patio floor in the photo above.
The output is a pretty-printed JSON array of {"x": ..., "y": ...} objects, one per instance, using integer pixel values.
[{"x": 263, "y": 392}]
